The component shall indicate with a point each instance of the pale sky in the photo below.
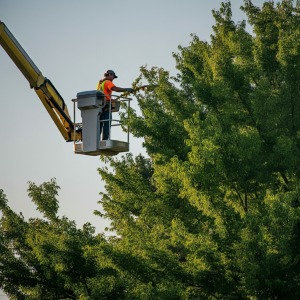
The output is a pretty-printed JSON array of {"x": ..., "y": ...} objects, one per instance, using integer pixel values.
[{"x": 73, "y": 43}]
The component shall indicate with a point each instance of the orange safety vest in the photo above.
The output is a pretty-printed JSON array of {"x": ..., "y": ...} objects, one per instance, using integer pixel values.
[{"x": 100, "y": 87}]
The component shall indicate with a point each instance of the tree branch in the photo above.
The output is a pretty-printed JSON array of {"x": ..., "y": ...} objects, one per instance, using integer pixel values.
[{"x": 239, "y": 196}]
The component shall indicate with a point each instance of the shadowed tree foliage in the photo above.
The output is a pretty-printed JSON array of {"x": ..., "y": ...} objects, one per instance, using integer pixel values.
[
  {"x": 52, "y": 259},
  {"x": 213, "y": 213}
]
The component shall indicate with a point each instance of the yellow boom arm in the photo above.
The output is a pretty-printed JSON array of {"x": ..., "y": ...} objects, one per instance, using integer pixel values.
[{"x": 46, "y": 91}]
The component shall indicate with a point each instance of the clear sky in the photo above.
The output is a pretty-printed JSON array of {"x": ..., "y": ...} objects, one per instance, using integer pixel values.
[{"x": 73, "y": 43}]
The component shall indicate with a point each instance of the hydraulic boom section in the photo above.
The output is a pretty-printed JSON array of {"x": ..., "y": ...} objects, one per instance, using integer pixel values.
[{"x": 51, "y": 99}]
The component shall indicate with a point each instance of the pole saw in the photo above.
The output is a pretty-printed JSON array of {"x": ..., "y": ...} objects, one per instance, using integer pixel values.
[{"x": 136, "y": 89}]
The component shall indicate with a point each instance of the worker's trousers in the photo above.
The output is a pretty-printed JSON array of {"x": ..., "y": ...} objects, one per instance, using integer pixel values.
[{"x": 105, "y": 124}]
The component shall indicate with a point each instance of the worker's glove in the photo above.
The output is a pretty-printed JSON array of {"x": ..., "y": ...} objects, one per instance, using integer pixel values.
[{"x": 130, "y": 90}]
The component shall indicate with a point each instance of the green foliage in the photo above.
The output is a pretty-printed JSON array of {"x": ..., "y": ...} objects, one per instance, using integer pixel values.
[
  {"x": 214, "y": 212},
  {"x": 53, "y": 259}
]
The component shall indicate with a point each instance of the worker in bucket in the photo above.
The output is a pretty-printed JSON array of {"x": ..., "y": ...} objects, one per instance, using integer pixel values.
[{"x": 106, "y": 86}]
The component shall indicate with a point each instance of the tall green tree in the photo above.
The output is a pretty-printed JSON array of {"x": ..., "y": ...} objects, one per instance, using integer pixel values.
[
  {"x": 214, "y": 212},
  {"x": 50, "y": 258}
]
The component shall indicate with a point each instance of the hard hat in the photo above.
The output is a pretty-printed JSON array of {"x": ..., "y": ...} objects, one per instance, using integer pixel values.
[{"x": 110, "y": 72}]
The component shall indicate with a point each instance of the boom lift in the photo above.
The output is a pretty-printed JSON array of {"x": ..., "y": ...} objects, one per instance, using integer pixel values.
[{"x": 85, "y": 135}]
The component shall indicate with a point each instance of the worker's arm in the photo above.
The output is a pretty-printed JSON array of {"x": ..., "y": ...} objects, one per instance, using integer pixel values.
[{"x": 118, "y": 89}]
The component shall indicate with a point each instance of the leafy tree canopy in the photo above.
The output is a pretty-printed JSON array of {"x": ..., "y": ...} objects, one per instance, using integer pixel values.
[{"x": 214, "y": 212}]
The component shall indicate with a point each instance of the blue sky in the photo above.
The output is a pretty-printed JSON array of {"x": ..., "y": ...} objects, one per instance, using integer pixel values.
[{"x": 73, "y": 43}]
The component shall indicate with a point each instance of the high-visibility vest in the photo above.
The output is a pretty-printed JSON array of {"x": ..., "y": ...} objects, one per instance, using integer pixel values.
[{"x": 101, "y": 86}]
